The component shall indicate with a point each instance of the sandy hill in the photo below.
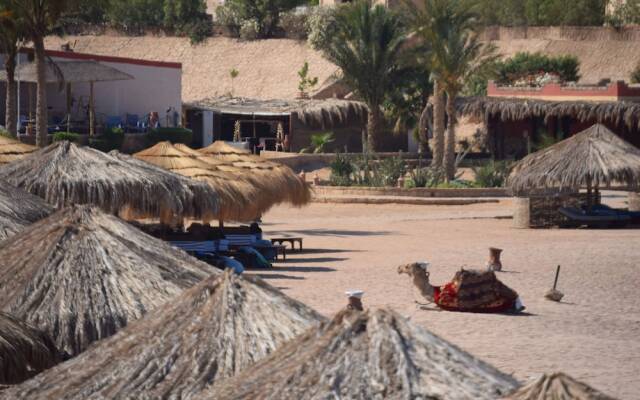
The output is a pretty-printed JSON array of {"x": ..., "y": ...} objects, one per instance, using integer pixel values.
[{"x": 268, "y": 68}]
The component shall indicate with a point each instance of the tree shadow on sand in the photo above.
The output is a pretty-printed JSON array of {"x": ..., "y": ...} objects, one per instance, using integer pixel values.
[
  {"x": 323, "y": 251},
  {"x": 339, "y": 233},
  {"x": 314, "y": 259},
  {"x": 277, "y": 276},
  {"x": 304, "y": 269}
]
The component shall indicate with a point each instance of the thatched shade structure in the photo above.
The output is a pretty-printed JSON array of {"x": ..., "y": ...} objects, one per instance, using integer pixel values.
[
  {"x": 594, "y": 157},
  {"x": 24, "y": 350},
  {"x": 211, "y": 332},
  {"x": 367, "y": 355},
  {"x": 284, "y": 183},
  {"x": 557, "y": 386},
  {"x": 513, "y": 109},
  {"x": 239, "y": 199},
  {"x": 19, "y": 209},
  {"x": 12, "y": 150},
  {"x": 64, "y": 173},
  {"x": 81, "y": 275}
]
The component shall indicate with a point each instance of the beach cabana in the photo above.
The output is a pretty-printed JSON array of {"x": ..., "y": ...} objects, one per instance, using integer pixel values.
[
  {"x": 81, "y": 275},
  {"x": 72, "y": 72},
  {"x": 211, "y": 332},
  {"x": 65, "y": 173},
  {"x": 370, "y": 354},
  {"x": 557, "y": 386},
  {"x": 284, "y": 184},
  {"x": 12, "y": 150},
  {"x": 24, "y": 350},
  {"x": 238, "y": 197},
  {"x": 19, "y": 209}
]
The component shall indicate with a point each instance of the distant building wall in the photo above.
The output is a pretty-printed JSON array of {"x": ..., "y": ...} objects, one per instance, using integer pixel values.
[{"x": 614, "y": 91}]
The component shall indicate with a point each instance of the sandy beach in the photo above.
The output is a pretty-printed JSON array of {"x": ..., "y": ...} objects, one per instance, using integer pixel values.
[{"x": 592, "y": 335}]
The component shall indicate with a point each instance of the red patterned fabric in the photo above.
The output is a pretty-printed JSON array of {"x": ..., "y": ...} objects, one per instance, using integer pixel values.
[{"x": 445, "y": 297}]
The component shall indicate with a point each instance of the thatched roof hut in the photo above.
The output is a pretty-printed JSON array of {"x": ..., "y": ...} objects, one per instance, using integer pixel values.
[
  {"x": 81, "y": 275},
  {"x": 19, "y": 209},
  {"x": 594, "y": 157},
  {"x": 617, "y": 113},
  {"x": 367, "y": 355},
  {"x": 24, "y": 350},
  {"x": 285, "y": 185},
  {"x": 557, "y": 386},
  {"x": 64, "y": 173},
  {"x": 238, "y": 197},
  {"x": 210, "y": 332},
  {"x": 12, "y": 150}
]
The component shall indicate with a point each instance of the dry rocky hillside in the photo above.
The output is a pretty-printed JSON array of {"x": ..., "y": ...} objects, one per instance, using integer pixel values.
[{"x": 268, "y": 68}]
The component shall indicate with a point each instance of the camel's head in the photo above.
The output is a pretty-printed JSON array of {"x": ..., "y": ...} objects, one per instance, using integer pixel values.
[{"x": 414, "y": 269}]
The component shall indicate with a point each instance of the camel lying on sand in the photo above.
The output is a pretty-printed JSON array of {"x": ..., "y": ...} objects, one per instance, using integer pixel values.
[{"x": 470, "y": 290}]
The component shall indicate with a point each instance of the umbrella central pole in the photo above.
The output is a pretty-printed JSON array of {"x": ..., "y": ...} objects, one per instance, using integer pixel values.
[{"x": 589, "y": 193}]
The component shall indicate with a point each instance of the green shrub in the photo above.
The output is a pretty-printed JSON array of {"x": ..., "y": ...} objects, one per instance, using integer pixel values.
[
  {"x": 321, "y": 24},
  {"x": 5, "y": 133},
  {"x": 526, "y": 64},
  {"x": 249, "y": 29},
  {"x": 386, "y": 172},
  {"x": 111, "y": 139},
  {"x": 427, "y": 177},
  {"x": 635, "y": 74},
  {"x": 319, "y": 142},
  {"x": 62, "y": 136},
  {"x": 492, "y": 174},
  {"x": 341, "y": 170},
  {"x": 173, "y": 135},
  {"x": 294, "y": 24}
]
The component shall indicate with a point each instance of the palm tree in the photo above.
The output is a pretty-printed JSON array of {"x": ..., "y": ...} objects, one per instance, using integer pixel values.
[
  {"x": 38, "y": 17},
  {"x": 366, "y": 46},
  {"x": 10, "y": 37}
]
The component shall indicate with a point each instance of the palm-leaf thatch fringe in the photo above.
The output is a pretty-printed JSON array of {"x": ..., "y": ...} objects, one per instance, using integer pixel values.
[
  {"x": 595, "y": 156},
  {"x": 81, "y": 275},
  {"x": 12, "y": 150},
  {"x": 367, "y": 355},
  {"x": 282, "y": 181},
  {"x": 239, "y": 198},
  {"x": 514, "y": 109},
  {"x": 557, "y": 386},
  {"x": 211, "y": 332},
  {"x": 313, "y": 113},
  {"x": 65, "y": 174},
  {"x": 24, "y": 350},
  {"x": 19, "y": 209}
]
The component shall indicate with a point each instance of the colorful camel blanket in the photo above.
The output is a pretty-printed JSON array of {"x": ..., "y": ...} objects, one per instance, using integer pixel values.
[{"x": 475, "y": 291}]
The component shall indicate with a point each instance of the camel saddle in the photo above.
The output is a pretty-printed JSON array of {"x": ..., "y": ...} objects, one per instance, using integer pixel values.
[{"x": 473, "y": 290}]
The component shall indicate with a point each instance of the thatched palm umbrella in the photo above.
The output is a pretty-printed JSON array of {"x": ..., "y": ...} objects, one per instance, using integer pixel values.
[
  {"x": 592, "y": 158},
  {"x": 12, "y": 150},
  {"x": 65, "y": 174},
  {"x": 238, "y": 197},
  {"x": 367, "y": 355},
  {"x": 81, "y": 275},
  {"x": 211, "y": 332},
  {"x": 19, "y": 209},
  {"x": 557, "y": 386},
  {"x": 24, "y": 350},
  {"x": 283, "y": 181},
  {"x": 69, "y": 72}
]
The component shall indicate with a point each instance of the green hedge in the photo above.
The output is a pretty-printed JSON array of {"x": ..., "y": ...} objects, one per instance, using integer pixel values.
[
  {"x": 62, "y": 136},
  {"x": 111, "y": 139},
  {"x": 173, "y": 135}
]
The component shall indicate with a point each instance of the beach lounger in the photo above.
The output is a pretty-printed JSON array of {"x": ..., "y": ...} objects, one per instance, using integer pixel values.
[{"x": 594, "y": 219}]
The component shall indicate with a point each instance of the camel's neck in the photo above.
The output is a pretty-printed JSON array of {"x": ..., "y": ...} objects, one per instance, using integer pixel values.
[{"x": 421, "y": 281}]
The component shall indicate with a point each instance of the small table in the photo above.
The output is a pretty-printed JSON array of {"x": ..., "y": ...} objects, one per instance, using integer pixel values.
[
  {"x": 281, "y": 249},
  {"x": 290, "y": 240}
]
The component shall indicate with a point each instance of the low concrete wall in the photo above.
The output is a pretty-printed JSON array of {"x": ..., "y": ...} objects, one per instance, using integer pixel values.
[{"x": 321, "y": 191}]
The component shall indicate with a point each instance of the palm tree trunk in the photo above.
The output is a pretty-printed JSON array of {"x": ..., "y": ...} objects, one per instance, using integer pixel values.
[
  {"x": 41, "y": 102},
  {"x": 438, "y": 124},
  {"x": 424, "y": 127},
  {"x": 374, "y": 121},
  {"x": 450, "y": 148},
  {"x": 10, "y": 110}
]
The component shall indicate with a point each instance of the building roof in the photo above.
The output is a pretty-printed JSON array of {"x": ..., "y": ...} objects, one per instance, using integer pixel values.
[{"x": 70, "y": 72}]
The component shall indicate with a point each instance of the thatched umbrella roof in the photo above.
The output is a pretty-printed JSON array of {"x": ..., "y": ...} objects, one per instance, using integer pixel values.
[
  {"x": 323, "y": 114},
  {"x": 366, "y": 355},
  {"x": 285, "y": 185},
  {"x": 211, "y": 332},
  {"x": 70, "y": 72},
  {"x": 595, "y": 157},
  {"x": 239, "y": 199},
  {"x": 11, "y": 150},
  {"x": 64, "y": 173},
  {"x": 81, "y": 275},
  {"x": 557, "y": 386},
  {"x": 513, "y": 109},
  {"x": 19, "y": 209},
  {"x": 24, "y": 350}
]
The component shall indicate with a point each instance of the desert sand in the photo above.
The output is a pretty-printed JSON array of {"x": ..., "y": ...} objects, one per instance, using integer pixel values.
[{"x": 592, "y": 335}]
